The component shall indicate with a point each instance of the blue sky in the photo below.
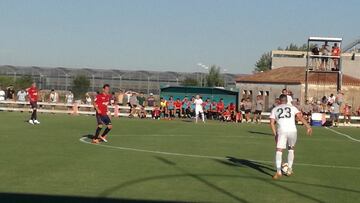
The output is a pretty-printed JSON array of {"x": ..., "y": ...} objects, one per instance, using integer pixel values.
[{"x": 171, "y": 35}]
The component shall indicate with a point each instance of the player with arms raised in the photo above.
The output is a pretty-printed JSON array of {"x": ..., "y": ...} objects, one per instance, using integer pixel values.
[
  {"x": 285, "y": 132},
  {"x": 33, "y": 98},
  {"x": 101, "y": 103}
]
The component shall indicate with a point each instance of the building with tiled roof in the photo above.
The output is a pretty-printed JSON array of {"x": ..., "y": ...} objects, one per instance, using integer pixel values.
[{"x": 270, "y": 83}]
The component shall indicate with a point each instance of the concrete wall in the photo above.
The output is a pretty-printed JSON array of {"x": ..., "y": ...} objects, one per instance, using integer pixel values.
[
  {"x": 278, "y": 62},
  {"x": 349, "y": 66}
]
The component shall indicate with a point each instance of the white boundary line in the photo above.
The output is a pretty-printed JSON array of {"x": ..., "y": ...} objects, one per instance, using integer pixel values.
[
  {"x": 222, "y": 136},
  {"x": 83, "y": 140},
  {"x": 343, "y": 134}
]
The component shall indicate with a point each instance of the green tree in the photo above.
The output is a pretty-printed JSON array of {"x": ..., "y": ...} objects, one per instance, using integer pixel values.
[
  {"x": 80, "y": 86},
  {"x": 264, "y": 63},
  {"x": 6, "y": 81},
  {"x": 294, "y": 47},
  {"x": 190, "y": 82},
  {"x": 23, "y": 82},
  {"x": 214, "y": 79}
]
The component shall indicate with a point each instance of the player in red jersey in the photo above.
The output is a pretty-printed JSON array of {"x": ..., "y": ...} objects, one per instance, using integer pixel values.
[
  {"x": 220, "y": 106},
  {"x": 101, "y": 103},
  {"x": 178, "y": 105},
  {"x": 33, "y": 97}
]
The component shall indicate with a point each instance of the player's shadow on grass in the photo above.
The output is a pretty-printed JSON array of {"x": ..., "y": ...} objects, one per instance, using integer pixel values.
[
  {"x": 90, "y": 136},
  {"x": 39, "y": 198},
  {"x": 261, "y": 167},
  {"x": 259, "y": 133},
  {"x": 200, "y": 179},
  {"x": 203, "y": 178},
  {"x": 187, "y": 120}
]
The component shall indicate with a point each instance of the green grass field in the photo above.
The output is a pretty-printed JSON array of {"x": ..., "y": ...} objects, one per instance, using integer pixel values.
[{"x": 169, "y": 161}]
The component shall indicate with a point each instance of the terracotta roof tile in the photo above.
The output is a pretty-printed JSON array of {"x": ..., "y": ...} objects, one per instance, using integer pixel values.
[{"x": 295, "y": 75}]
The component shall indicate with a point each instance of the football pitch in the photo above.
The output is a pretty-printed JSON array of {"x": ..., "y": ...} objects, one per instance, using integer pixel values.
[{"x": 170, "y": 161}]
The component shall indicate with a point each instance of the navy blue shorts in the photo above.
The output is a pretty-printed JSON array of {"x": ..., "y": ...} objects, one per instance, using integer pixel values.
[
  {"x": 33, "y": 104},
  {"x": 103, "y": 119}
]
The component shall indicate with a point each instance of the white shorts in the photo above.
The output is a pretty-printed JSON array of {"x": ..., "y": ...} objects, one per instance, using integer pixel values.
[
  {"x": 197, "y": 111},
  {"x": 285, "y": 139}
]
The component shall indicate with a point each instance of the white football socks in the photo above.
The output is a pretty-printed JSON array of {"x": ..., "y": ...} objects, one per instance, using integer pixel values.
[
  {"x": 290, "y": 157},
  {"x": 278, "y": 157}
]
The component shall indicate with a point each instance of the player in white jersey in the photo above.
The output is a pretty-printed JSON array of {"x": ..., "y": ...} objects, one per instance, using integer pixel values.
[
  {"x": 285, "y": 132},
  {"x": 199, "y": 108}
]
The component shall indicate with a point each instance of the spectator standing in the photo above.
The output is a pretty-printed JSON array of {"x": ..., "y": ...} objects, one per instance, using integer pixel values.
[
  {"x": 2, "y": 95},
  {"x": 171, "y": 107},
  {"x": 53, "y": 98},
  {"x": 141, "y": 99},
  {"x": 331, "y": 99},
  {"x": 325, "y": 51},
  {"x": 120, "y": 98},
  {"x": 248, "y": 107},
  {"x": 347, "y": 115},
  {"x": 150, "y": 100},
  {"x": 242, "y": 108},
  {"x": 259, "y": 107},
  {"x": 134, "y": 103},
  {"x": 10, "y": 93},
  {"x": 128, "y": 95},
  {"x": 335, "y": 112},
  {"x": 185, "y": 107},
  {"x": 88, "y": 99},
  {"x": 21, "y": 96},
  {"x": 69, "y": 97},
  {"x": 336, "y": 52},
  {"x": 315, "y": 51},
  {"x": 289, "y": 97},
  {"x": 340, "y": 97},
  {"x": 192, "y": 107},
  {"x": 207, "y": 108}
]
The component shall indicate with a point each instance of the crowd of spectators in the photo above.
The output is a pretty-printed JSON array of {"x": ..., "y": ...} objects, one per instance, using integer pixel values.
[
  {"x": 334, "y": 105},
  {"x": 171, "y": 108},
  {"x": 322, "y": 63}
]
